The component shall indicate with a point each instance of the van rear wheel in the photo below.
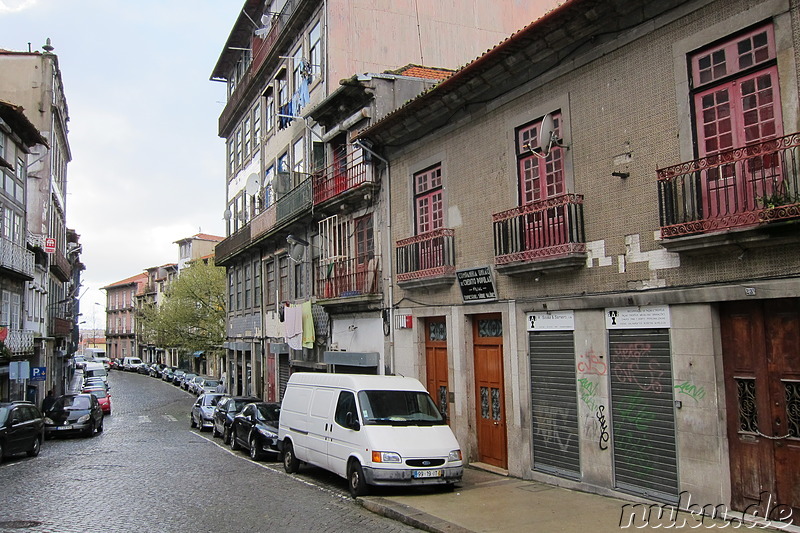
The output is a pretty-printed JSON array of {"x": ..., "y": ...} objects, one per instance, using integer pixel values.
[
  {"x": 355, "y": 479},
  {"x": 290, "y": 463}
]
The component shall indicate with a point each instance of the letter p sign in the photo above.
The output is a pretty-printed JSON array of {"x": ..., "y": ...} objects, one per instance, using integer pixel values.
[{"x": 38, "y": 373}]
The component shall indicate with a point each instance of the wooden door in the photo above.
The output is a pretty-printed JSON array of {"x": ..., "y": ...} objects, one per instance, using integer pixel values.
[
  {"x": 436, "y": 362},
  {"x": 489, "y": 392},
  {"x": 761, "y": 357}
]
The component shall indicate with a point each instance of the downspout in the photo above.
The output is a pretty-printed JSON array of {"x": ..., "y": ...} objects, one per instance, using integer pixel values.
[{"x": 389, "y": 262}]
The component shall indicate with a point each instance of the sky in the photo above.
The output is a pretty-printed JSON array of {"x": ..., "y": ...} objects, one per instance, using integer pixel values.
[{"x": 147, "y": 164}]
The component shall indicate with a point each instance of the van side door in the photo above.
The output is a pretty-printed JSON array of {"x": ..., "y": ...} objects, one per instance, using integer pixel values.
[
  {"x": 345, "y": 433},
  {"x": 319, "y": 421}
]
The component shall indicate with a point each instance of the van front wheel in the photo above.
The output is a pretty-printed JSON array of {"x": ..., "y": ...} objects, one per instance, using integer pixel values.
[
  {"x": 290, "y": 462},
  {"x": 355, "y": 479}
]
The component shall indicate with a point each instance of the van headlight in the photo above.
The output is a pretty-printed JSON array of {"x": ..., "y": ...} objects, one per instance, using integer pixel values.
[
  {"x": 386, "y": 457},
  {"x": 454, "y": 455},
  {"x": 83, "y": 419}
]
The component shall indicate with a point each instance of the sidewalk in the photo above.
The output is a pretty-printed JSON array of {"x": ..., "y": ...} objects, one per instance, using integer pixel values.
[{"x": 488, "y": 502}]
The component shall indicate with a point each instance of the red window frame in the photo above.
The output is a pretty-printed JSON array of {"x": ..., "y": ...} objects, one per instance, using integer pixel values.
[{"x": 428, "y": 200}]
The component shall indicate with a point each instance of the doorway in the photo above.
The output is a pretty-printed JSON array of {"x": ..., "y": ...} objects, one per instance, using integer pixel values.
[{"x": 487, "y": 336}]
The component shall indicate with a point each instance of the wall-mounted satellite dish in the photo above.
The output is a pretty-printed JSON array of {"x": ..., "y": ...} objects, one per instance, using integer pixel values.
[
  {"x": 253, "y": 184},
  {"x": 227, "y": 214},
  {"x": 547, "y": 135}
]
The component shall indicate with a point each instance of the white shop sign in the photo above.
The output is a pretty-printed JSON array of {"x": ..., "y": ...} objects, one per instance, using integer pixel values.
[{"x": 644, "y": 317}]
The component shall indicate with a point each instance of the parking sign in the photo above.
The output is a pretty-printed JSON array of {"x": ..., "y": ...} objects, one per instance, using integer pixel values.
[{"x": 38, "y": 373}]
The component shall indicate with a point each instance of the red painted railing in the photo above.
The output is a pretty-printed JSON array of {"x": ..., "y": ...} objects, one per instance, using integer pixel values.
[
  {"x": 346, "y": 173},
  {"x": 426, "y": 255},
  {"x": 349, "y": 277}
]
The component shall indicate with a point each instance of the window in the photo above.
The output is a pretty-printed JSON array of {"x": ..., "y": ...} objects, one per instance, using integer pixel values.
[
  {"x": 283, "y": 280},
  {"x": 365, "y": 239},
  {"x": 231, "y": 157},
  {"x": 299, "y": 163},
  {"x": 297, "y": 69},
  {"x": 299, "y": 281},
  {"x": 247, "y": 137},
  {"x": 269, "y": 110},
  {"x": 231, "y": 290},
  {"x": 247, "y": 287},
  {"x": 267, "y": 192},
  {"x": 345, "y": 404},
  {"x": 8, "y": 216},
  {"x": 5, "y": 308},
  {"x": 256, "y": 283},
  {"x": 315, "y": 51},
  {"x": 257, "y": 127},
  {"x": 239, "y": 288},
  {"x": 428, "y": 200},
  {"x": 539, "y": 177},
  {"x": 239, "y": 146},
  {"x": 271, "y": 291}
]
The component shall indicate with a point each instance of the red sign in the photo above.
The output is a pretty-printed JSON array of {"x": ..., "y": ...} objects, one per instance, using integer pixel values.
[{"x": 49, "y": 245}]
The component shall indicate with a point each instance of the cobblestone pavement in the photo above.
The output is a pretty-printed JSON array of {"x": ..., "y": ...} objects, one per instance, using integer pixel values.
[{"x": 149, "y": 472}]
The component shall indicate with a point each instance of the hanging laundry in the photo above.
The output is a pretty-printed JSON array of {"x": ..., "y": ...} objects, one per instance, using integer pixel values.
[
  {"x": 308, "y": 325},
  {"x": 293, "y": 322}
]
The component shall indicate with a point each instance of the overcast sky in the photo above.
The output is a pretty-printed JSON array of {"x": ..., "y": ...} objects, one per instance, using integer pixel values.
[{"x": 147, "y": 165}]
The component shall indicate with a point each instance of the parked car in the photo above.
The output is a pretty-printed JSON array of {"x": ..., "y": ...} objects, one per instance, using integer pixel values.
[
  {"x": 177, "y": 377},
  {"x": 21, "y": 429},
  {"x": 187, "y": 379},
  {"x": 256, "y": 429},
  {"x": 194, "y": 385},
  {"x": 167, "y": 373},
  {"x": 202, "y": 414},
  {"x": 116, "y": 364},
  {"x": 95, "y": 382},
  {"x": 94, "y": 370},
  {"x": 103, "y": 397},
  {"x": 226, "y": 410},
  {"x": 105, "y": 361},
  {"x": 131, "y": 364},
  {"x": 74, "y": 413},
  {"x": 207, "y": 385}
]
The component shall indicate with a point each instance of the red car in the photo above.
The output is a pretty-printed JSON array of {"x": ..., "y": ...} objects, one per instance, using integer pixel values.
[{"x": 103, "y": 398}]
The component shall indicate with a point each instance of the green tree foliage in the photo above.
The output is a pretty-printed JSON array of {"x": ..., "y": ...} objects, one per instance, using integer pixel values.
[{"x": 192, "y": 314}]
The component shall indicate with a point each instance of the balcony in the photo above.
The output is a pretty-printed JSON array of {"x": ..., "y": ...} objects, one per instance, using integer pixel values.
[
  {"x": 341, "y": 179},
  {"x": 16, "y": 260},
  {"x": 19, "y": 341},
  {"x": 541, "y": 236},
  {"x": 294, "y": 203},
  {"x": 60, "y": 267},
  {"x": 746, "y": 197},
  {"x": 349, "y": 281},
  {"x": 426, "y": 260}
]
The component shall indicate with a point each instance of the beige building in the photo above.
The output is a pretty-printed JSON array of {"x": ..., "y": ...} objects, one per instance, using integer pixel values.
[
  {"x": 121, "y": 316},
  {"x": 282, "y": 60},
  {"x": 594, "y": 229}
]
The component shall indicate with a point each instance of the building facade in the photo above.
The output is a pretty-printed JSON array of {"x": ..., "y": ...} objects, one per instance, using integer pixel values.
[
  {"x": 121, "y": 316},
  {"x": 596, "y": 264},
  {"x": 281, "y": 60},
  {"x": 32, "y": 80}
]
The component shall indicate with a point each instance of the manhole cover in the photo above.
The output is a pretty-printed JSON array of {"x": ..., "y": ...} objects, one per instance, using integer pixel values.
[{"x": 19, "y": 524}]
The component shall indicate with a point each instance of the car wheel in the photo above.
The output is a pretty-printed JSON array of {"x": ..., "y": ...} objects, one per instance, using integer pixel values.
[
  {"x": 355, "y": 479},
  {"x": 234, "y": 444},
  {"x": 255, "y": 450},
  {"x": 100, "y": 427},
  {"x": 214, "y": 432},
  {"x": 1, "y": 452},
  {"x": 290, "y": 462},
  {"x": 226, "y": 435},
  {"x": 194, "y": 424},
  {"x": 90, "y": 430},
  {"x": 35, "y": 447}
]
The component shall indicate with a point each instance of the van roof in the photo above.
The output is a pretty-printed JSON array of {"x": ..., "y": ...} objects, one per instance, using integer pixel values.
[{"x": 356, "y": 381}]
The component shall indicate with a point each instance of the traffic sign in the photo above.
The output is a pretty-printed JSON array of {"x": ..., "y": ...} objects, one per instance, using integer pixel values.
[{"x": 38, "y": 373}]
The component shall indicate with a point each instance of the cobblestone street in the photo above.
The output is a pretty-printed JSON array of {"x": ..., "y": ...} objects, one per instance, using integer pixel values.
[{"x": 148, "y": 471}]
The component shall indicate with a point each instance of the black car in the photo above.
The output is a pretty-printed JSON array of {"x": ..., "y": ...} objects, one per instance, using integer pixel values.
[
  {"x": 256, "y": 428},
  {"x": 21, "y": 429},
  {"x": 74, "y": 413},
  {"x": 227, "y": 408}
]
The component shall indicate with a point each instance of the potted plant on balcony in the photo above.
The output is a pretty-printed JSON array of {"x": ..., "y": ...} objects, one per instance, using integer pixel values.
[{"x": 780, "y": 205}]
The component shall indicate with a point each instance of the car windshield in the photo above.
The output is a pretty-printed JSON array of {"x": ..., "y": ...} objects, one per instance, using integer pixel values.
[
  {"x": 268, "y": 412},
  {"x": 238, "y": 405},
  {"x": 210, "y": 383},
  {"x": 98, "y": 393},
  {"x": 398, "y": 408},
  {"x": 72, "y": 403},
  {"x": 3, "y": 415}
]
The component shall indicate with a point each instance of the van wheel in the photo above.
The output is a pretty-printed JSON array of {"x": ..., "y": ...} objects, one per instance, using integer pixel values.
[
  {"x": 355, "y": 479},
  {"x": 290, "y": 463}
]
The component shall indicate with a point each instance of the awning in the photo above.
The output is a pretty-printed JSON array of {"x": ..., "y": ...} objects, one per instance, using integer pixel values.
[{"x": 199, "y": 353}]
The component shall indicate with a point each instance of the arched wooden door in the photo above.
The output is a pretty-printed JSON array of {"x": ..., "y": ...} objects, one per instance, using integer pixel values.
[{"x": 487, "y": 334}]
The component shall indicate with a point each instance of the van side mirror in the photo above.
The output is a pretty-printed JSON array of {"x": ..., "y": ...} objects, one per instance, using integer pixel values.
[{"x": 351, "y": 421}]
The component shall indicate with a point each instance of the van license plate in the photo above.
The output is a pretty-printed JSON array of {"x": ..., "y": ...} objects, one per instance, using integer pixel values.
[{"x": 426, "y": 473}]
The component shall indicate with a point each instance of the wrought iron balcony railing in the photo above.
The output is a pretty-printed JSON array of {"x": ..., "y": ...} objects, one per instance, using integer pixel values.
[
  {"x": 16, "y": 258},
  {"x": 349, "y": 277},
  {"x": 738, "y": 188},
  {"x": 427, "y": 255},
  {"x": 546, "y": 229},
  {"x": 19, "y": 341},
  {"x": 295, "y": 202},
  {"x": 343, "y": 175}
]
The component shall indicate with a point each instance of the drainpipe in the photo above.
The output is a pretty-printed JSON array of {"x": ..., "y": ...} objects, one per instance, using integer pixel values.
[{"x": 388, "y": 245}]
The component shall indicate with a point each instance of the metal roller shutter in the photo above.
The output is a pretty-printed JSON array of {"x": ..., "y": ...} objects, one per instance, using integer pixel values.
[
  {"x": 554, "y": 404},
  {"x": 283, "y": 374},
  {"x": 643, "y": 420}
]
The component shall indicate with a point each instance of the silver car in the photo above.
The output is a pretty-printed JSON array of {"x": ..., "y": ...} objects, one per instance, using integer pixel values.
[{"x": 202, "y": 414}]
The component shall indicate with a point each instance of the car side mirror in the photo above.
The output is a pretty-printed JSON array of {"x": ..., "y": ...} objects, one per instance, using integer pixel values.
[{"x": 351, "y": 421}]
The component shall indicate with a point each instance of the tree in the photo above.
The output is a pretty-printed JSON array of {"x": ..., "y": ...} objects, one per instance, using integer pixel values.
[{"x": 192, "y": 314}]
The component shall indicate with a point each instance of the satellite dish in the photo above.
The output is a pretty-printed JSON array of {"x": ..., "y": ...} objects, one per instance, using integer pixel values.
[
  {"x": 253, "y": 184},
  {"x": 227, "y": 214},
  {"x": 547, "y": 134}
]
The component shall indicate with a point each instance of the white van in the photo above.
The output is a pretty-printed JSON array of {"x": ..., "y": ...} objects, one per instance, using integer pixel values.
[
  {"x": 371, "y": 430},
  {"x": 95, "y": 370},
  {"x": 131, "y": 363}
]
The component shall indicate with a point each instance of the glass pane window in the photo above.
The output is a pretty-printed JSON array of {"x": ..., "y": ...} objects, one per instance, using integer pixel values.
[
  {"x": 735, "y": 55},
  {"x": 315, "y": 51},
  {"x": 540, "y": 176}
]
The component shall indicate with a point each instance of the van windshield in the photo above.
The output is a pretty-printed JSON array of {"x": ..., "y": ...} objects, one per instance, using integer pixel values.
[{"x": 398, "y": 408}]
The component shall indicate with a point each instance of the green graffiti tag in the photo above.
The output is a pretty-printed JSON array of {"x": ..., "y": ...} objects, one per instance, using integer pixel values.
[{"x": 696, "y": 393}]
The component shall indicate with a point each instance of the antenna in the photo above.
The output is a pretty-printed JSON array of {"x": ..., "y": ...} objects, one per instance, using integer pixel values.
[
  {"x": 547, "y": 138},
  {"x": 253, "y": 184}
]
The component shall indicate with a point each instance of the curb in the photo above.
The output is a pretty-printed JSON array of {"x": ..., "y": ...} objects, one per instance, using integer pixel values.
[{"x": 409, "y": 516}]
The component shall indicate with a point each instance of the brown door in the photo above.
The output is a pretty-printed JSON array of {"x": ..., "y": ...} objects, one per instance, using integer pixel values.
[
  {"x": 761, "y": 356},
  {"x": 436, "y": 361},
  {"x": 489, "y": 400}
]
